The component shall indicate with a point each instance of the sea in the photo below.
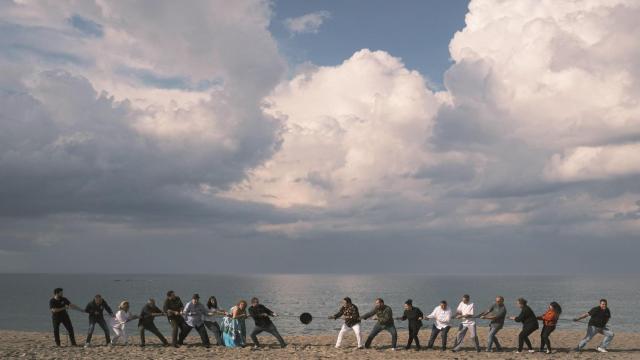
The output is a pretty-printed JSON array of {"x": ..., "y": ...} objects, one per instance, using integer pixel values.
[{"x": 24, "y": 303}]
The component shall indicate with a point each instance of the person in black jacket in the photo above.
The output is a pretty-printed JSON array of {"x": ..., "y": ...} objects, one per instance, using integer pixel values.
[
  {"x": 260, "y": 315},
  {"x": 148, "y": 313},
  {"x": 414, "y": 315},
  {"x": 96, "y": 308},
  {"x": 529, "y": 324}
]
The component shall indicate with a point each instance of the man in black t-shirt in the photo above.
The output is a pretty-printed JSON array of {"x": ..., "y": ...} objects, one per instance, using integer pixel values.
[
  {"x": 260, "y": 315},
  {"x": 600, "y": 316},
  {"x": 58, "y": 306}
]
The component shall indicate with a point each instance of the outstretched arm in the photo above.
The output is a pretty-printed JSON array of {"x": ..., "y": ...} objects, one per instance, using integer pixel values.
[{"x": 581, "y": 317}]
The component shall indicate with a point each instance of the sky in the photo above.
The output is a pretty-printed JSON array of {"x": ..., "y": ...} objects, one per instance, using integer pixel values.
[{"x": 320, "y": 137}]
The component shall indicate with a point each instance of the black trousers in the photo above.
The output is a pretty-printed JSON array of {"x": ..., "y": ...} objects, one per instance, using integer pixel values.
[
  {"x": 215, "y": 329},
  {"x": 523, "y": 337},
  {"x": 66, "y": 322},
  {"x": 103, "y": 325},
  {"x": 202, "y": 331},
  {"x": 151, "y": 327},
  {"x": 434, "y": 334},
  {"x": 177, "y": 326},
  {"x": 544, "y": 337},
  {"x": 271, "y": 329},
  {"x": 413, "y": 336}
]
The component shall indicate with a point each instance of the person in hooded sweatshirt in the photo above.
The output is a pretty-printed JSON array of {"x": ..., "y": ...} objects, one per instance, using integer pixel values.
[
  {"x": 414, "y": 316},
  {"x": 529, "y": 324}
]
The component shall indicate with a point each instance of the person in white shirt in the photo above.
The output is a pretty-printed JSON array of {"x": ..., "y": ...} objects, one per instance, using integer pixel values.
[
  {"x": 195, "y": 313},
  {"x": 442, "y": 316},
  {"x": 465, "y": 312},
  {"x": 119, "y": 323}
]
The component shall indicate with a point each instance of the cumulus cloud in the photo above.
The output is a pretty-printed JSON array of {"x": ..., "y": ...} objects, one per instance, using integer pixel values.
[
  {"x": 115, "y": 128},
  {"x": 307, "y": 23},
  {"x": 351, "y": 130},
  {"x": 80, "y": 136}
]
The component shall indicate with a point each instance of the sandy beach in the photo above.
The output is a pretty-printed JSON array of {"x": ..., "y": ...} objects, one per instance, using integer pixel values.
[{"x": 35, "y": 345}]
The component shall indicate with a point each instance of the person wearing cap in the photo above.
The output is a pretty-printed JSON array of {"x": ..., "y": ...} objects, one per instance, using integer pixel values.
[
  {"x": 414, "y": 315},
  {"x": 349, "y": 312},
  {"x": 195, "y": 314},
  {"x": 261, "y": 317},
  {"x": 442, "y": 316},
  {"x": 465, "y": 312},
  {"x": 173, "y": 308},
  {"x": 384, "y": 315}
]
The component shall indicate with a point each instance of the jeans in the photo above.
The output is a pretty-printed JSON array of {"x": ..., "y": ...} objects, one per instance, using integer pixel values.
[
  {"x": 592, "y": 331},
  {"x": 215, "y": 329},
  {"x": 103, "y": 324},
  {"x": 344, "y": 329},
  {"x": 202, "y": 331},
  {"x": 413, "y": 336},
  {"x": 66, "y": 322},
  {"x": 493, "y": 330},
  {"x": 376, "y": 330},
  {"x": 271, "y": 329},
  {"x": 544, "y": 337},
  {"x": 153, "y": 329},
  {"x": 434, "y": 334},
  {"x": 177, "y": 325},
  {"x": 462, "y": 332},
  {"x": 523, "y": 337}
]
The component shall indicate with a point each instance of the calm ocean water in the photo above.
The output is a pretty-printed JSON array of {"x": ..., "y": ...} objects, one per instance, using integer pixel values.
[{"x": 24, "y": 304}]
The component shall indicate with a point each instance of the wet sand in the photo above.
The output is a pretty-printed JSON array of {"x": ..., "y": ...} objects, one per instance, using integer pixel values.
[{"x": 35, "y": 345}]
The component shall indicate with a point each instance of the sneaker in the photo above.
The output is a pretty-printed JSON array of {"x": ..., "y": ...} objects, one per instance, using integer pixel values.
[
  {"x": 256, "y": 347},
  {"x": 547, "y": 352},
  {"x": 393, "y": 349},
  {"x": 531, "y": 351},
  {"x": 601, "y": 349},
  {"x": 518, "y": 352},
  {"x": 87, "y": 345}
]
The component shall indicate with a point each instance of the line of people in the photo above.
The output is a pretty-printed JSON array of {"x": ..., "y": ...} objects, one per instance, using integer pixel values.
[
  {"x": 182, "y": 319},
  {"x": 442, "y": 317},
  {"x": 194, "y": 315}
]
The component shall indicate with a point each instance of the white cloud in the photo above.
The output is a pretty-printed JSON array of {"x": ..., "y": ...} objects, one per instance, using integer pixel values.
[
  {"x": 351, "y": 129},
  {"x": 595, "y": 162},
  {"x": 307, "y": 23}
]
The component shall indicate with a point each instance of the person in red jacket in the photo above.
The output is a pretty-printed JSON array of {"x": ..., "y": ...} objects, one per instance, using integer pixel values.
[{"x": 549, "y": 321}]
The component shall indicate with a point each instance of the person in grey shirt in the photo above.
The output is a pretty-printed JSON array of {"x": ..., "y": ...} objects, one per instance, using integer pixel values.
[
  {"x": 496, "y": 313},
  {"x": 195, "y": 314}
]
